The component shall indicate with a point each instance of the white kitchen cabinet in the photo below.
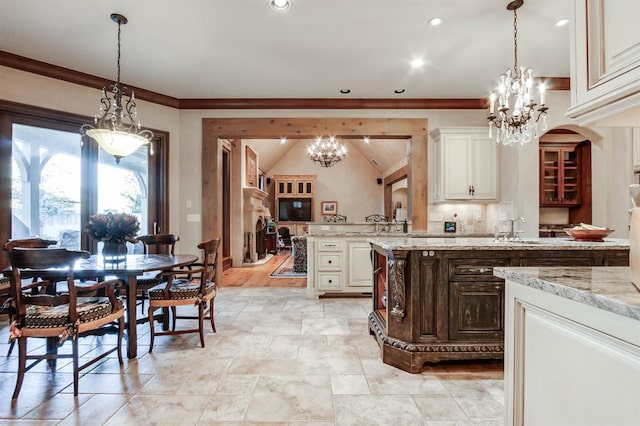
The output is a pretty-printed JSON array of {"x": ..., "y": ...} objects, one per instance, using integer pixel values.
[
  {"x": 465, "y": 164},
  {"x": 338, "y": 265},
  {"x": 569, "y": 361},
  {"x": 605, "y": 67}
]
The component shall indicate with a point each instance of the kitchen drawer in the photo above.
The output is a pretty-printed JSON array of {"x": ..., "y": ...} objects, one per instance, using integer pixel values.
[
  {"x": 471, "y": 269},
  {"x": 329, "y": 245},
  {"x": 330, "y": 261},
  {"x": 329, "y": 281}
]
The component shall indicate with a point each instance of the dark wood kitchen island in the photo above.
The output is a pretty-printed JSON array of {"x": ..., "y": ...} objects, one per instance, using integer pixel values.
[{"x": 436, "y": 299}]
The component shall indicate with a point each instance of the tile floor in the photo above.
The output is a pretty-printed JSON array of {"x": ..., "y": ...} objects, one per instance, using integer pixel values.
[{"x": 277, "y": 359}]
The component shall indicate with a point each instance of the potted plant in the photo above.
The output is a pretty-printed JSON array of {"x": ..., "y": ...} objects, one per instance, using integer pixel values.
[{"x": 114, "y": 230}]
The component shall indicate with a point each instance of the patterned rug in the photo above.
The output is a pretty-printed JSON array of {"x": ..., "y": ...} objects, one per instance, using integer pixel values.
[{"x": 285, "y": 269}]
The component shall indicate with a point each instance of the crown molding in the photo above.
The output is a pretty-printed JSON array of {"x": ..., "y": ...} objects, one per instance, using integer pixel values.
[{"x": 65, "y": 74}]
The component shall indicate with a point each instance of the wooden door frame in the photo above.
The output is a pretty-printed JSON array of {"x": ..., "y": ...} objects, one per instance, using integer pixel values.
[{"x": 215, "y": 130}]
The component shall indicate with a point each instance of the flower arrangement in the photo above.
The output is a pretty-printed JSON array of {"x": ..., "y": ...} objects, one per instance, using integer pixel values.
[{"x": 113, "y": 227}]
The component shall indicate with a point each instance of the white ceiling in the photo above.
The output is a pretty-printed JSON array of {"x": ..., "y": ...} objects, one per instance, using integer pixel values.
[{"x": 244, "y": 49}]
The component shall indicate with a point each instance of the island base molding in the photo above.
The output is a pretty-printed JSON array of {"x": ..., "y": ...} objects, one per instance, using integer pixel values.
[{"x": 411, "y": 357}]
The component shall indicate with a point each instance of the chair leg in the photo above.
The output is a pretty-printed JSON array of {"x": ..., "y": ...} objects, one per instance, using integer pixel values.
[
  {"x": 152, "y": 325},
  {"x": 201, "y": 323},
  {"x": 120, "y": 334},
  {"x": 174, "y": 312},
  {"x": 22, "y": 365},
  {"x": 11, "y": 345},
  {"x": 74, "y": 346},
  {"x": 213, "y": 324}
]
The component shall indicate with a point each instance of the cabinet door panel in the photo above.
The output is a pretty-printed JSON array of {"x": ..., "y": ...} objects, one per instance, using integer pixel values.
[
  {"x": 456, "y": 167},
  {"x": 476, "y": 310},
  {"x": 484, "y": 180},
  {"x": 557, "y": 261},
  {"x": 360, "y": 271}
]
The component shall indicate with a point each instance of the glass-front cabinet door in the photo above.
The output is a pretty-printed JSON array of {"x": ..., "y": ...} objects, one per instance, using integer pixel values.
[{"x": 560, "y": 176}]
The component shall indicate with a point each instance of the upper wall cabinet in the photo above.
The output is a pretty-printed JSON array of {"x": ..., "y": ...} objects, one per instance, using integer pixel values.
[
  {"x": 465, "y": 164},
  {"x": 295, "y": 185},
  {"x": 605, "y": 65}
]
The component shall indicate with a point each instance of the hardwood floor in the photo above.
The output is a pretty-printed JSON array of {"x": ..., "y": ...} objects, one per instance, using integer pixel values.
[{"x": 260, "y": 276}]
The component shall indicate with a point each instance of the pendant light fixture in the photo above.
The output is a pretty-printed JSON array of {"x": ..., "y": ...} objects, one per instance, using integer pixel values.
[
  {"x": 116, "y": 126},
  {"x": 516, "y": 121},
  {"x": 326, "y": 152}
]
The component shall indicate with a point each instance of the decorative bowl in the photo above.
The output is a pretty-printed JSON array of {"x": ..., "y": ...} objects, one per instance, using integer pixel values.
[{"x": 588, "y": 234}]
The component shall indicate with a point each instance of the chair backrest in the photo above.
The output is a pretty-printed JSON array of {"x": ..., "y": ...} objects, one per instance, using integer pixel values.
[
  {"x": 209, "y": 259},
  {"x": 41, "y": 259},
  {"x": 284, "y": 232},
  {"x": 29, "y": 243},
  {"x": 376, "y": 218},
  {"x": 159, "y": 243},
  {"x": 334, "y": 218}
]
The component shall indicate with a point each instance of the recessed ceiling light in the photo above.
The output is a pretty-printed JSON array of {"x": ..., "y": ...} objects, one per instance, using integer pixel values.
[
  {"x": 562, "y": 22},
  {"x": 366, "y": 140},
  {"x": 398, "y": 91},
  {"x": 280, "y": 5},
  {"x": 417, "y": 63},
  {"x": 434, "y": 22},
  {"x": 345, "y": 91},
  {"x": 283, "y": 140}
]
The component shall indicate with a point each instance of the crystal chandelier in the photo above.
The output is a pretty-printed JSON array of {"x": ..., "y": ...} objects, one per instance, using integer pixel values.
[
  {"x": 326, "y": 152},
  {"x": 116, "y": 126},
  {"x": 516, "y": 121}
]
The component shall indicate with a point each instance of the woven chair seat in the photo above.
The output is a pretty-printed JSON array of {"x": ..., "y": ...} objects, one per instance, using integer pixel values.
[
  {"x": 147, "y": 280},
  {"x": 5, "y": 283},
  {"x": 89, "y": 309},
  {"x": 181, "y": 289}
]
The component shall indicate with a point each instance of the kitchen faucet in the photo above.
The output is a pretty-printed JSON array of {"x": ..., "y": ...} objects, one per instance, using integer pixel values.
[{"x": 513, "y": 234}]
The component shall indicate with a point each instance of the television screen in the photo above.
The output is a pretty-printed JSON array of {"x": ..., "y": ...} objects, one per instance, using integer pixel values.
[{"x": 294, "y": 209}]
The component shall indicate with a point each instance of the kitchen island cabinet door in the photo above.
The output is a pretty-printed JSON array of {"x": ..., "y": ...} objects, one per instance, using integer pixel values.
[
  {"x": 360, "y": 271},
  {"x": 476, "y": 310}
]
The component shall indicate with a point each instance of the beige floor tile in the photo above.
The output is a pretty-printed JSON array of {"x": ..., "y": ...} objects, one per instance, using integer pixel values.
[
  {"x": 397, "y": 410},
  {"x": 349, "y": 384},
  {"x": 439, "y": 407},
  {"x": 291, "y": 398},
  {"x": 160, "y": 410},
  {"x": 96, "y": 410}
]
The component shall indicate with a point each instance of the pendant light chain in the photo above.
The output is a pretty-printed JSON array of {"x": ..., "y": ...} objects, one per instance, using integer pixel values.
[
  {"x": 119, "y": 32},
  {"x": 515, "y": 41}
]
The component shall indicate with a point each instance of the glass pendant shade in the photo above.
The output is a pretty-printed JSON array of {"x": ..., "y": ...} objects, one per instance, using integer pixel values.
[{"x": 117, "y": 142}]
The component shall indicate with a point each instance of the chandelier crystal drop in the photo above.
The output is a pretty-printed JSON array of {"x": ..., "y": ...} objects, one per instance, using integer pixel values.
[
  {"x": 116, "y": 126},
  {"x": 512, "y": 111},
  {"x": 326, "y": 152}
]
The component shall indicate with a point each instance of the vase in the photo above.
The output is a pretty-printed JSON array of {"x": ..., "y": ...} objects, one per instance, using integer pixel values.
[{"x": 114, "y": 252}]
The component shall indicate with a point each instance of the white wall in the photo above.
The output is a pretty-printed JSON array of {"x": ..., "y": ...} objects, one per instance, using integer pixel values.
[{"x": 518, "y": 165}]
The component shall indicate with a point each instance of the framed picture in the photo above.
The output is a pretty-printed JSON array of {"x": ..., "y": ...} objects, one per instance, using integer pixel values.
[
  {"x": 251, "y": 167},
  {"x": 329, "y": 207}
]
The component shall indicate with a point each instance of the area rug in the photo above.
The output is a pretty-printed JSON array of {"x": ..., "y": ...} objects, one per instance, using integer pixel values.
[{"x": 285, "y": 269}]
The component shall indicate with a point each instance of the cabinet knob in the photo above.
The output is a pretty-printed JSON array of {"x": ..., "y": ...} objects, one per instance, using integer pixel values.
[
  {"x": 330, "y": 261},
  {"x": 330, "y": 281}
]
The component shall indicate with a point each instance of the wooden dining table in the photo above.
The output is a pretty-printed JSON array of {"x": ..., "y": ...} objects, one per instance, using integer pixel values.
[{"x": 128, "y": 270}]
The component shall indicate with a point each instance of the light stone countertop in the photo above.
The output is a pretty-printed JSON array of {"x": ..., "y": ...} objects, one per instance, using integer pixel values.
[
  {"x": 458, "y": 243},
  {"x": 606, "y": 288}
]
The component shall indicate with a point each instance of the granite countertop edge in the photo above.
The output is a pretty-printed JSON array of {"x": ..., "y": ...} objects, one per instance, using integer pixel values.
[
  {"x": 605, "y": 288},
  {"x": 459, "y": 243}
]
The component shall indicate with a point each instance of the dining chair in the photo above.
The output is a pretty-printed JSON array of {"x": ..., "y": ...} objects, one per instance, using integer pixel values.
[
  {"x": 157, "y": 244},
  {"x": 188, "y": 287},
  {"x": 41, "y": 314},
  {"x": 284, "y": 238},
  {"x": 83, "y": 287}
]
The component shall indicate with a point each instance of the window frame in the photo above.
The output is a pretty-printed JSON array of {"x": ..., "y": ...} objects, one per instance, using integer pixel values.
[{"x": 16, "y": 113}]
